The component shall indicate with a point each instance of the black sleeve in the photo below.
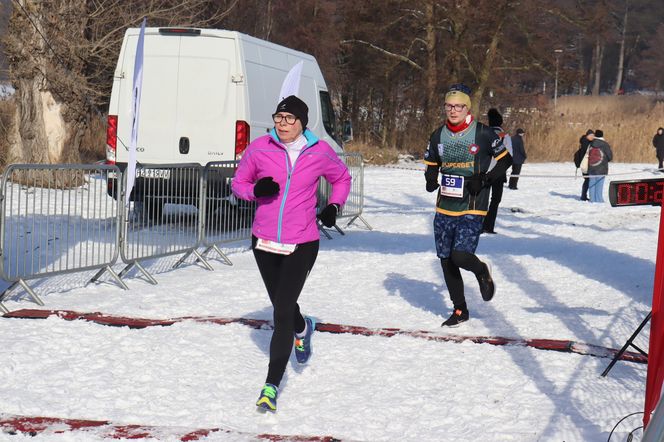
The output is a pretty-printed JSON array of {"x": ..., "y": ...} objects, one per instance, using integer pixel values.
[
  {"x": 431, "y": 157},
  {"x": 503, "y": 159},
  {"x": 497, "y": 147}
]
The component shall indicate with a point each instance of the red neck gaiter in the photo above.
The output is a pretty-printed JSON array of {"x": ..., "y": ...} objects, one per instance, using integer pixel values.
[{"x": 461, "y": 126}]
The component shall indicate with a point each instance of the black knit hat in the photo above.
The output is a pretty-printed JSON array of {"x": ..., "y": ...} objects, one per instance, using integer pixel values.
[
  {"x": 295, "y": 106},
  {"x": 520, "y": 131},
  {"x": 590, "y": 131},
  {"x": 495, "y": 119},
  {"x": 599, "y": 133}
]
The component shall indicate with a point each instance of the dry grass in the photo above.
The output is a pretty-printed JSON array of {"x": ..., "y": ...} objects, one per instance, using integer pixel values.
[
  {"x": 628, "y": 122},
  {"x": 373, "y": 154},
  {"x": 93, "y": 143}
]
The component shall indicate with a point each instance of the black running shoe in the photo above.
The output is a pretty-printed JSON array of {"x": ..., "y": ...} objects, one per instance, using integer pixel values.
[
  {"x": 458, "y": 316},
  {"x": 487, "y": 287}
]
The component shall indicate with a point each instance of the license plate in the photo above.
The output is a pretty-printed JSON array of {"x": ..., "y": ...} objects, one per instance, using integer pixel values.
[{"x": 164, "y": 174}]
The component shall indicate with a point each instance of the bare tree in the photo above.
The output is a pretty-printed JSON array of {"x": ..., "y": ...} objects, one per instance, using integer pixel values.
[
  {"x": 61, "y": 57},
  {"x": 386, "y": 62},
  {"x": 651, "y": 64},
  {"x": 621, "y": 52}
]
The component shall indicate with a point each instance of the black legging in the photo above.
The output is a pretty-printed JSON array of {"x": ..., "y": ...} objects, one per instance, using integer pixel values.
[
  {"x": 496, "y": 195},
  {"x": 284, "y": 277},
  {"x": 516, "y": 170},
  {"x": 452, "y": 274}
]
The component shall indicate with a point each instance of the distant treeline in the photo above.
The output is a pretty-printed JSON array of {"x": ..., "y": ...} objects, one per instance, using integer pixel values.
[{"x": 387, "y": 62}]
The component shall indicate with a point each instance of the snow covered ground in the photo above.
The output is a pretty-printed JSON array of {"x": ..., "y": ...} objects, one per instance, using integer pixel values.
[{"x": 564, "y": 269}]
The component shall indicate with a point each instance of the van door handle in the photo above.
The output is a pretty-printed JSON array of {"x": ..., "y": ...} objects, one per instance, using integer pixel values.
[{"x": 184, "y": 145}]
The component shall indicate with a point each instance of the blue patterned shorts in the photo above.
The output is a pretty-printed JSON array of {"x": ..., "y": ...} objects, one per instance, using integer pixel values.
[{"x": 460, "y": 233}]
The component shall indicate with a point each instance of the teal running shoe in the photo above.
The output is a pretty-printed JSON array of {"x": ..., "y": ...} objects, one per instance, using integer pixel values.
[
  {"x": 267, "y": 401},
  {"x": 303, "y": 345}
]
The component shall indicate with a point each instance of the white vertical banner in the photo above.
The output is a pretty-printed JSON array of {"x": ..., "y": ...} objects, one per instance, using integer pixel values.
[
  {"x": 291, "y": 84},
  {"x": 135, "y": 111}
]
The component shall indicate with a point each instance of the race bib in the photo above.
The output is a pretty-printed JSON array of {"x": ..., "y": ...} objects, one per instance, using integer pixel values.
[
  {"x": 451, "y": 186},
  {"x": 275, "y": 247}
]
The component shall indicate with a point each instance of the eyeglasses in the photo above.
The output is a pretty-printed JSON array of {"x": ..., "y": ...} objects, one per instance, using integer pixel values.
[
  {"x": 456, "y": 107},
  {"x": 278, "y": 118}
]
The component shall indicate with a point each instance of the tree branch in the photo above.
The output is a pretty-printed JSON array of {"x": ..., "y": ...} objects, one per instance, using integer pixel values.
[{"x": 384, "y": 52}]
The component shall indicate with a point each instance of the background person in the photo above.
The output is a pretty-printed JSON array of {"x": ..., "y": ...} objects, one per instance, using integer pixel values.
[
  {"x": 280, "y": 171},
  {"x": 658, "y": 144},
  {"x": 599, "y": 155},
  {"x": 584, "y": 142},
  {"x": 496, "y": 188},
  {"x": 461, "y": 149},
  {"x": 518, "y": 157}
]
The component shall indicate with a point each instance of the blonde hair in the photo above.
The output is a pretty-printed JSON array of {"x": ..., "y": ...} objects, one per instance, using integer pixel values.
[{"x": 458, "y": 96}]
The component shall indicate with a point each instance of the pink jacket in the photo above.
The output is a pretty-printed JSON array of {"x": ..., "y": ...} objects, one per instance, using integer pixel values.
[{"x": 290, "y": 216}]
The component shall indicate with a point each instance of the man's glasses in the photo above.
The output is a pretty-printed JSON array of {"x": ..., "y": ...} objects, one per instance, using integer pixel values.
[
  {"x": 278, "y": 118},
  {"x": 456, "y": 107}
]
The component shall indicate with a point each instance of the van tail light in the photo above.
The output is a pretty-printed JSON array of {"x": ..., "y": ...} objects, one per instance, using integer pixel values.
[
  {"x": 241, "y": 137},
  {"x": 111, "y": 138}
]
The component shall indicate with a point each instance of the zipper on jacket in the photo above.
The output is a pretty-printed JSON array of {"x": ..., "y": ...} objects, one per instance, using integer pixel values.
[{"x": 289, "y": 172}]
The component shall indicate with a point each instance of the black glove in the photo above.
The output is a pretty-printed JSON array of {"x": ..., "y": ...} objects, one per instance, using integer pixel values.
[
  {"x": 475, "y": 183},
  {"x": 328, "y": 216},
  {"x": 266, "y": 187},
  {"x": 431, "y": 175}
]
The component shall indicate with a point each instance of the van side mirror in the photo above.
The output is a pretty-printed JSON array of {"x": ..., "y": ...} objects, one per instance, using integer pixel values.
[{"x": 347, "y": 131}]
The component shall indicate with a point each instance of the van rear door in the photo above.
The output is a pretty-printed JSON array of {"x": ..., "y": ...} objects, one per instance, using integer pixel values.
[
  {"x": 158, "y": 115},
  {"x": 206, "y": 100},
  {"x": 188, "y": 99}
]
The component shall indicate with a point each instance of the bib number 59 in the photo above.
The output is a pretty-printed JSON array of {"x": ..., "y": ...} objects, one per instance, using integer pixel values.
[{"x": 450, "y": 181}]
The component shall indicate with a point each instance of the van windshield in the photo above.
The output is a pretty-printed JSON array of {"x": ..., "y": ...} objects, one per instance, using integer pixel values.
[{"x": 329, "y": 119}]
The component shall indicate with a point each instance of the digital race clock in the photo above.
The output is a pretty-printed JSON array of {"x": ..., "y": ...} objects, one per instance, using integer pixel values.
[{"x": 636, "y": 192}]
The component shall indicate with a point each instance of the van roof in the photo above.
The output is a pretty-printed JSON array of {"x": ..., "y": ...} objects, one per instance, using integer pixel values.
[{"x": 219, "y": 33}]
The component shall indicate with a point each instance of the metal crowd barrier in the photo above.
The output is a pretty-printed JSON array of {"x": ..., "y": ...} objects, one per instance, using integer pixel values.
[
  {"x": 149, "y": 230},
  {"x": 227, "y": 218},
  {"x": 355, "y": 203},
  {"x": 56, "y": 219}
]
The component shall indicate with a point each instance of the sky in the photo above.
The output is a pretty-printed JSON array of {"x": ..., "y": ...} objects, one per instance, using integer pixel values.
[{"x": 564, "y": 269}]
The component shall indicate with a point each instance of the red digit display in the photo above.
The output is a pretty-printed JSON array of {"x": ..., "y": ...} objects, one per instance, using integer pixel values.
[
  {"x": 624, "y": 192},
  {"x": 641, "y": 193},
  {"x": 636, "y": 192},
  {"x": 658, "y": 193}
]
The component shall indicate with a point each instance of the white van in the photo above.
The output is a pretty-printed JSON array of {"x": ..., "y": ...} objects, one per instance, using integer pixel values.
[{"x": 206, "y": 94}]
